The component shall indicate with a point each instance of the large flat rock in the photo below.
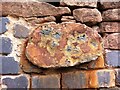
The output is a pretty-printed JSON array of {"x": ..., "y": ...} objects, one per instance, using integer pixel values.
[
  {"x": 63, "y": 45},
  {"x": 31, "y": 9}
]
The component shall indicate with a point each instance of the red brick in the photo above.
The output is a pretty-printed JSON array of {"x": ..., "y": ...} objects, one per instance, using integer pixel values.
[
  {"x": 112, "y": 41},
  {"x": 110, "y": 27},
  {"x": 101, "y": 78},
  {"x": 46, "y": 81},
  {"x": 118, "y": 77},
  {"x": 75, "y": 80}
]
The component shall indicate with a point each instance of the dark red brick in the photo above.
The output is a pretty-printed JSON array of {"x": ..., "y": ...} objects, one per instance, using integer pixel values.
[
  {"x": 16, "y": 82},
  {"x": 112, "y": 58},
  {"x": 75, "y": 80},
  {"x": 5, "y": 45},
  {"x": 101, "y": 78},
  {"x": 3, "y": 22},
  {"x": 118, "y": 77},
  {"x": 46, "y": 81},
  {"x": 8, "y": 65}
]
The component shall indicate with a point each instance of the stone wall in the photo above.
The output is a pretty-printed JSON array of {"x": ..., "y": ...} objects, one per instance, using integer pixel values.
[{"x": 19, "y": 19}]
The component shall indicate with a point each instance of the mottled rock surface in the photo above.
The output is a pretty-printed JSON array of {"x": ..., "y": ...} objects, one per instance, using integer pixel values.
[
  {"x": 80, "y": 3},
  {"x": 86, "y": 15},
  {"x": 111, "y": 15},
  {"x": 30, "y": 9},
  {"x": 112, "y": 41},
  {"x": 63, "y": 45},
  {"x": 110, "y": 5}
]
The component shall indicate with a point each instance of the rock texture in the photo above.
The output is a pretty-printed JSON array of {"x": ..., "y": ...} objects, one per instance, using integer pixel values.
[
  {"x": 111, "y": 15},
  {"x": 80, "y": 3},
  {"x": 29, "y": 9},
  {"x": 62, "y": 45},
  {"x": 85, "y": 15}
]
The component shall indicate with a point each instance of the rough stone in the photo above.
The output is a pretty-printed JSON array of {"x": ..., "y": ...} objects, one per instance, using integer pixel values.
[
  {"x": 68, "y": 19},
  {"x": 46, "y": 81},
  {"x": 63, "y": 45},
  {"x": 110, "y": 27},
  {"x": 112, "y": 58},
  {"x": 110, "y": 5},
  {"x": 112, "y": 41},
  {"x": 3, "y": 22},
  {"x": 35, "y": 20},
  {"x": 81, "y": 3},
  {"x": 5, "y": 45},
  {"x": 30, "y": 9},
  {"x": 111, "y": 15},
  {"x": 97, "y": 64},
  {"x": 96, "y": 28},
  {"x": 75, "y": 80},
  {"x": 86, "y": 15},
  {"x": 8, "y": 65},
  {"x": 20, "y": 31},
  {"x": 16, "y": 82},
  {"x": 113, "y": 88}
]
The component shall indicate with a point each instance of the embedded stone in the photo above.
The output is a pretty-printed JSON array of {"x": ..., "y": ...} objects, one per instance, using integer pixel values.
[
  {"x": 86, "y": 15},
  {"x": 31, "y": 9},
  {"x": 63, "y": 45},
  {"x": 3, "y": 22},
  {"x": 21, "y": 31},
  {"x": 79, "y": 3}
]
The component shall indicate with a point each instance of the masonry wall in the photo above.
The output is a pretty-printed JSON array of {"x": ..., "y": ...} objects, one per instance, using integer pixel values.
[{"x": 19, "y": 19}]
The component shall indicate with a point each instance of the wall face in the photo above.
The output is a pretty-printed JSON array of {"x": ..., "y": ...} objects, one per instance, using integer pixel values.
[{"x": 18, "y": 21}]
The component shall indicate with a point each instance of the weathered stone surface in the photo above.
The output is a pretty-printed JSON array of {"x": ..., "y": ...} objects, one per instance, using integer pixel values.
[
  {"x": 34, "y": 20},
  {"x": 8, "y": 65},
  {"x": 3, "y": 22},
  {"x": 86, "y": 15},
  {"x": 20, "y": 31},
  {"x": 16, "y": 82},
  {"x": 46, "y": 81},
  {"x": 29, "y": 9},
  {"x": 5, "y": 45},
  {"x": 27, "y": 66},
  {"x": 86, "y": 3},
  {"x": 111, "y": 15},
  {"x": 112, "y": 58},
  {"x": 112, "y": 4},
  {"x": 112, "y": 41},
  {"x": 63, "y": 45},
  {"x": 75, "y": 80},
  {"x": 96, "y": 28},
  {"x": 110, "y": 27},
  {"x": 68, "y": 19}
]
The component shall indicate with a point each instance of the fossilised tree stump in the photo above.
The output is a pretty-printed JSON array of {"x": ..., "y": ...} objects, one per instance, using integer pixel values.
[{"x": 63, "y": 45}]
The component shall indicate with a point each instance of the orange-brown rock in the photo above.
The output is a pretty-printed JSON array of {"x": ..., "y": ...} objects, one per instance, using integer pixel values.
[{"x": 63, "y": 45}]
